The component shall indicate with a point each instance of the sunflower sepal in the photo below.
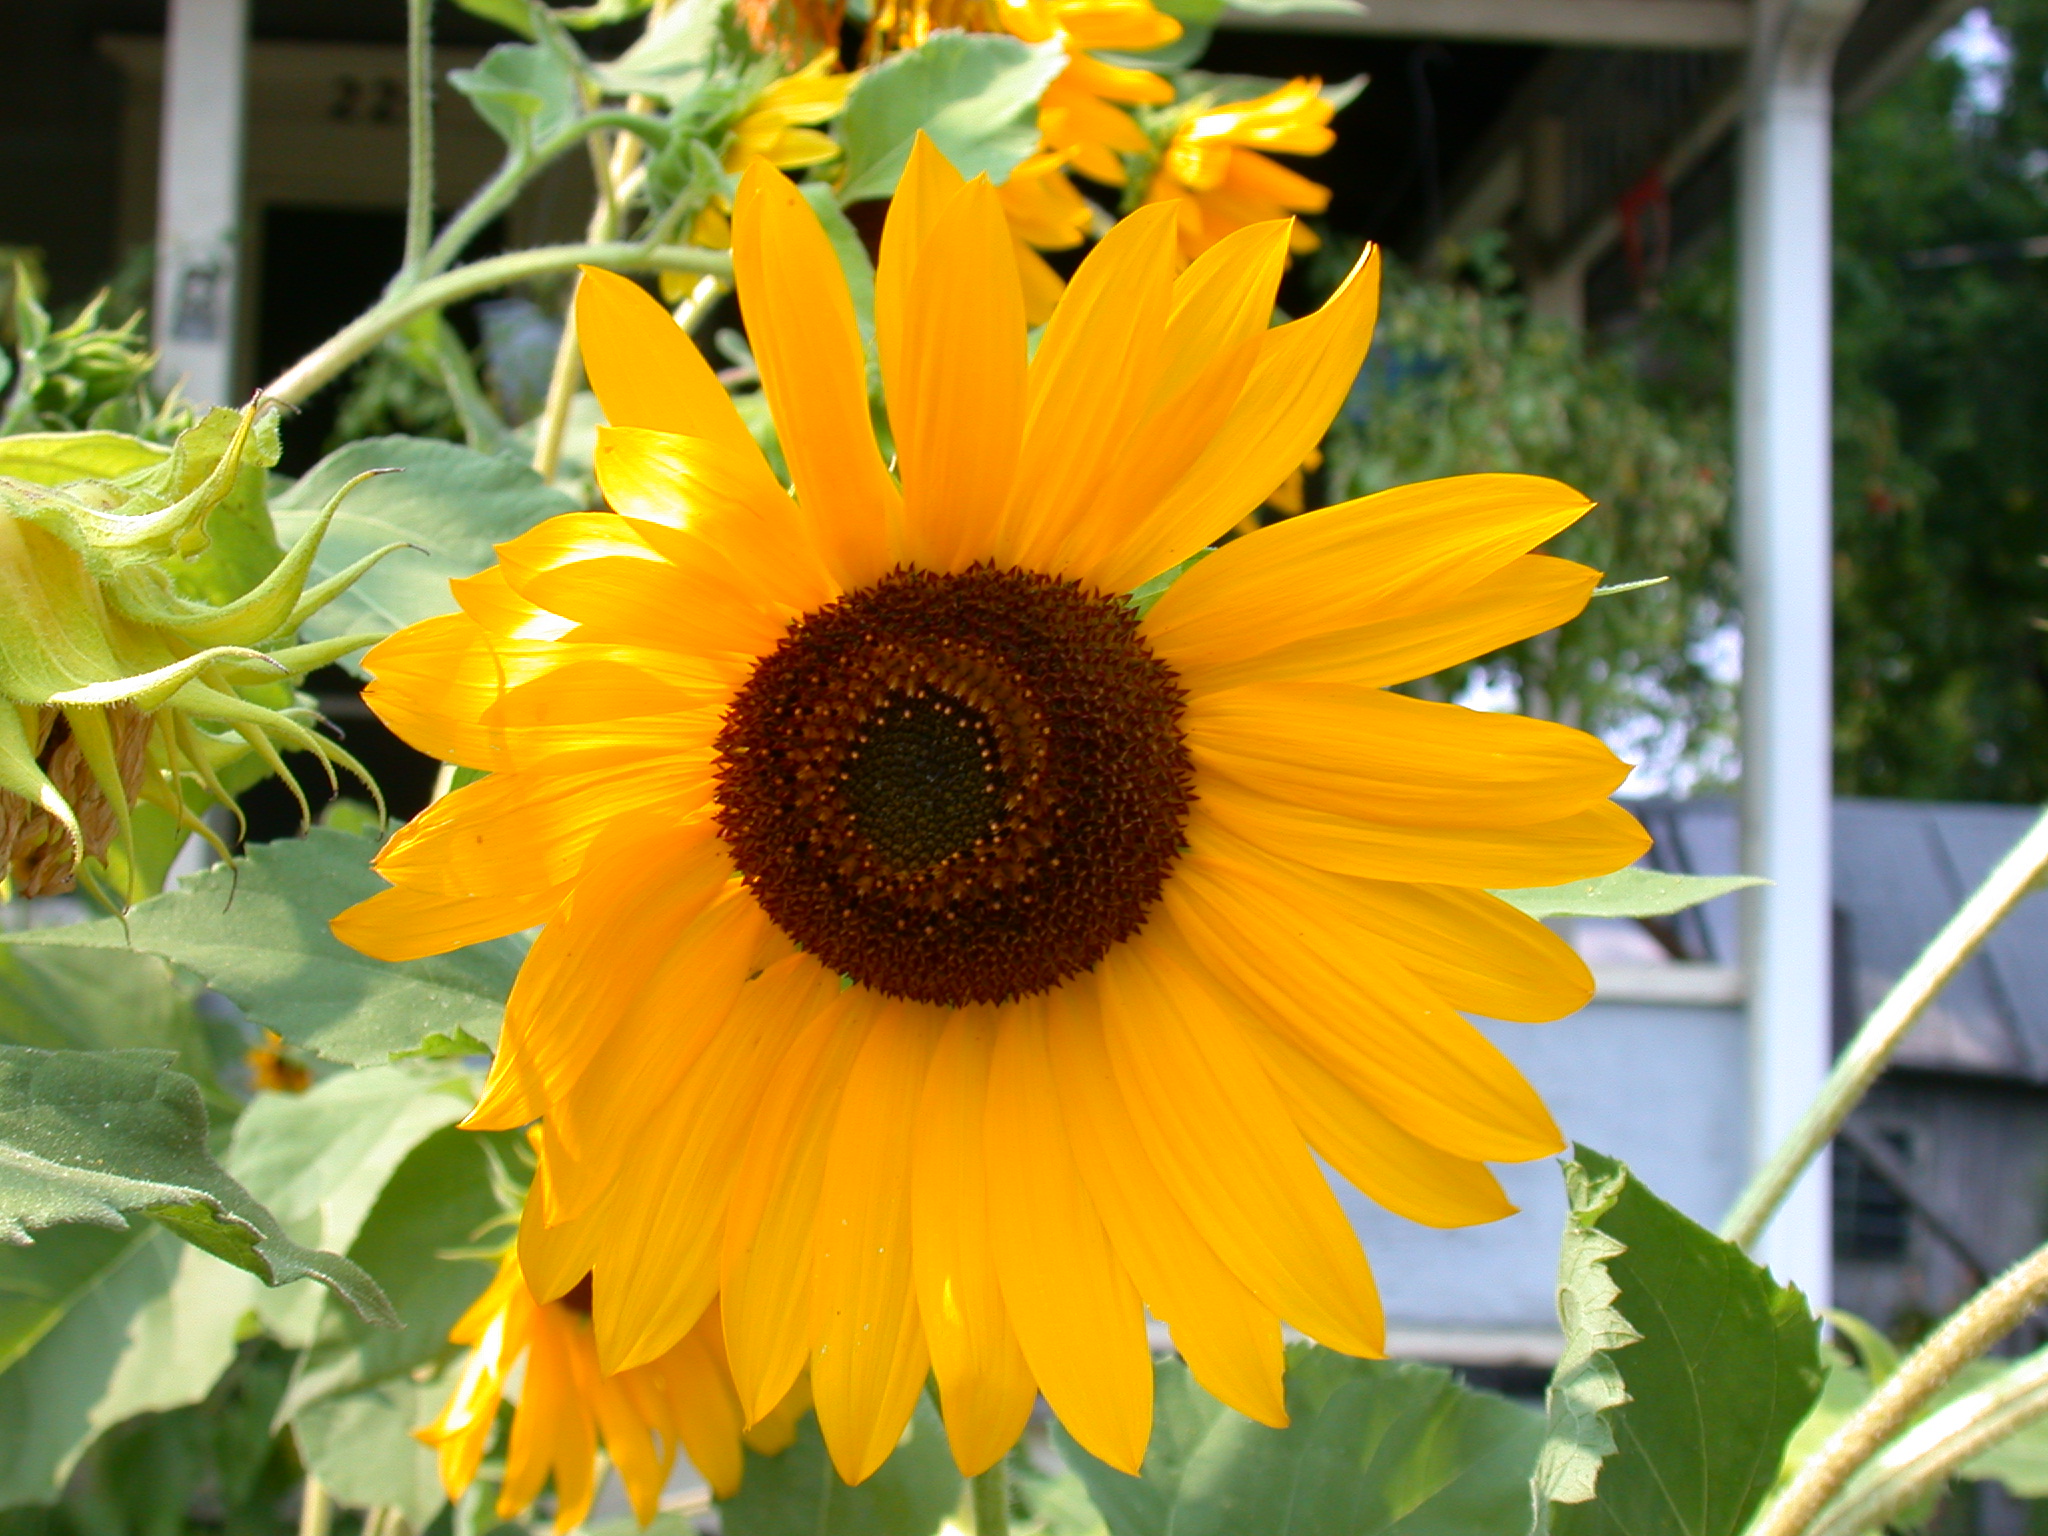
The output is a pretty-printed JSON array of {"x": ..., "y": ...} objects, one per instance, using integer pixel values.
[{"x": 138, "y": 650}]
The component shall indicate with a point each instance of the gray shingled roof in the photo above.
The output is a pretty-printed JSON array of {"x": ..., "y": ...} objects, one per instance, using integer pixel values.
[{"x": 1901, "y": 869}]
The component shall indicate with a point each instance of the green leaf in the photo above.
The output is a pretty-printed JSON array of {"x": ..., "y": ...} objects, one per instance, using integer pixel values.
[
  {"x": 1147, "y": 593},
  {"x": 257, "y": 932},
  {"x": 441, "y": 1200},
  {"x": 525, "y": 91},
  {"x": 1182, "y": 1417},
  {"x": 58, "y": 458},
  {"x": 672, "y": 57},
  {"x": 1372, "y": 1446},
  {"x": 452, "y": 502},
  {"x": 1631, "y": 892},
  {"x": 976, "y": 94},
  {"x": 797, "y": 1491},
  {"x": 360, "y": 1445},
  {"x": 76, "y": 1000},
  {"x": 88, "y": 1135},
  {"x": 512, "y": 15},
  {"x": 320, "y": 1160},
  {"x": 153, "y": 1329},
  {"x": 1681, "y": 1354}
]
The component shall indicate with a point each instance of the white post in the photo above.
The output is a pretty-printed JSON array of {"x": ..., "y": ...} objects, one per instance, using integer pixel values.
[
  {"x": 199, "y": 196},
  {"x": 1784, "y": 466}
]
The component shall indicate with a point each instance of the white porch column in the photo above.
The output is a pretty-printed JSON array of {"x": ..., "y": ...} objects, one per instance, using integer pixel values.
[
  {"x": 199, "y": 196},
  {"x": 1784, "y": 462}
]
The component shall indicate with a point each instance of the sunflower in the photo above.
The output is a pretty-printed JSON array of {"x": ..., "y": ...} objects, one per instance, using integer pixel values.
[
  {"x": 946, "y": 957},
  {"x": 1213, "y": 166},
  {"x": 566, "y": 1405}
]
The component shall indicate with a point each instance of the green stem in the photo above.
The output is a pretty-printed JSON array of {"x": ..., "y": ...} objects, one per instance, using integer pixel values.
[
  {"x": 1858, "y": 1066},
  {"x": 1931, "y": 1452},
  {"x": 419, "y": 88},
  {"x": 304, "y": 378},
  {"x": 316, "y": 1508},
  {"x": 992, "y": 1501},
  {"x": 1988, "y": 1317},
  {"x": 497, "y": 194}
]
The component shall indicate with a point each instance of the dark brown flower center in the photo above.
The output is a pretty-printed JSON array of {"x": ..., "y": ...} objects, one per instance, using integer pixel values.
[{"x": 957, "y": 789}]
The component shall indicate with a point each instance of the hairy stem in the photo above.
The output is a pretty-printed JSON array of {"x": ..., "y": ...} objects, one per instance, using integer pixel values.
[
  {"x": 1858, "y": 1066},
  {"x": 1928, "y": 1454},
  {"x": 1988, "y": 1317},
  {"x": 419, "y": 91},
  {"x": 992, "y": 1501},
  {"x": 611, "y": 172},
  {"x": 304, "y": 378}
]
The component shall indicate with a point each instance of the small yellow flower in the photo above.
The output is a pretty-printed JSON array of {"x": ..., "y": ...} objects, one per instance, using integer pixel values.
[
  {"x": 1214, "y": 164},
  {"x": 1081, "y": 113},
  {"x": 566, "y": 1405},
  {"x": 778, "y": 126},
  {"x": 272, "y": 1067},
  {"x": 117, "y": 684},
  {"x": 1045, "y": 213}
]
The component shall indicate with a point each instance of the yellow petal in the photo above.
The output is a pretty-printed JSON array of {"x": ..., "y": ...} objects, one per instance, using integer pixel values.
[
  {"x": 765, "y": 1260},
  {"x": 1528, "y": 595},
  {"x": 657, "y": 1261},
  {"x": 1088, "y": 386},
  {"x": 1474, "y": 950},
  {"x": 1402, "y": 551},
  {"x": 702, "y": 1410},
  {"x": 868, "y": 1355},
  {"x": 801, "y": 326},
  {"x": 1303, "y": 372},
  {"x": 1224, "y": 1143},
  {"x": 956, "y": 392},
  {"x": 924, "y": 190},
  {"x": 1230, "y": 1339},
  {"x": 1595, "y": 841},
  {"x": 676, "y": 1040},
  {"x": 1385, "y": 757},
  {"x": 521, "y": 832},
  {"x": 699, "y": 503},
  {"x": 1077, "y": 1316},
  {"x": 411, "y": 925},
  {"x": 643, "y": 886},
  {"x": 596, "y": 570},
  {"x": 646, "y": 369},
  {"x": 554, "y": 1256},
  {"x": 985, "y": 1387},
  {"x": 1404, "y": 1173},
  {"x": 552, "y": 1431},
  {"x": 641, "y": 1459},
  {"x": 1352, "y": 1005}
]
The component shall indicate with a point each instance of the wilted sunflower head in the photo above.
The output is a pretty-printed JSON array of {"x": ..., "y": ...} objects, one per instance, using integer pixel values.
[
  {"x": 146, "y": 621},
  {"x": 964, "y": 915}
]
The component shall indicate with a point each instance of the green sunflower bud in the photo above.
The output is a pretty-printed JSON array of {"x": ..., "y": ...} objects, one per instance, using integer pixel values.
[{"x": 147, "y": 620}]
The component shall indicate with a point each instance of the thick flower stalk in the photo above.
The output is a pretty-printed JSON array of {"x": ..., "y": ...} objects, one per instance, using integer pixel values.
[
  {"x": 945, "y": 957},
  {"x": 1216, "y": 167},
  {"x": 566, "y": 1407},
  {"x": 117, "y": 685}
]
